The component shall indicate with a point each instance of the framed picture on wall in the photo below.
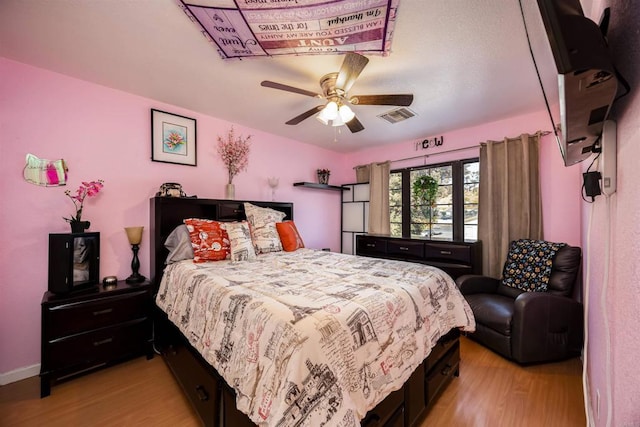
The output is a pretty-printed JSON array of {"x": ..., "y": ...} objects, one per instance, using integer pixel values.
[{"x": 173, "y": 138}]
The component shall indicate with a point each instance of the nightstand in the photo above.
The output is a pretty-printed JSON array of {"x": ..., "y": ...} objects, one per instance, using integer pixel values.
[{"x": 92, "y": 329}]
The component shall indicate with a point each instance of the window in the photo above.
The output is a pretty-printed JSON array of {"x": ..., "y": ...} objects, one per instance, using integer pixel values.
[{"x": 454, "y": 216}]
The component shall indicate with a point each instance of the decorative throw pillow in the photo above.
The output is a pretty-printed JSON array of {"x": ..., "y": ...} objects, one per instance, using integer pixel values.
[
  {"x": 289, "y": 236},
  {"x": 179, "y": 245},
  {"x": 264, "y": 233},
  {"x": 208, "y": 240},
  {"x": 528, "y": 265},
  {"x": 240, "y": 240}
]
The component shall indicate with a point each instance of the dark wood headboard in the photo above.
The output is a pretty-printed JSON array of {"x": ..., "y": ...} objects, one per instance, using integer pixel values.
[{"x": 168, "y": 212}]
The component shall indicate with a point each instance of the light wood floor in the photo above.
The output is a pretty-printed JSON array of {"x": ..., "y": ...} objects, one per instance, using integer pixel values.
[{"x": 489, "y": 392}]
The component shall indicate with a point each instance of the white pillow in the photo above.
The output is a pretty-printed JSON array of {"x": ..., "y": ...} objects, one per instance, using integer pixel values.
[
  {"x": 264, "y": 233},
  {"x": 240, "y": 241}
]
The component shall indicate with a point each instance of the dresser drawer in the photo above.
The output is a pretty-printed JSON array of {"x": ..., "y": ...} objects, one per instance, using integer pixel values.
[
  {"x": 453, "y": 270},
  {"x": 405, "y": 249},
  {"x": 230, "y": 211},
  {"x": 450, "y": 253},
  {"x": 99, "y": 346},
  {"x": 76, "y": 317},
  {"x": 440, "y": 349},
  {"x": 384, "y": 413},
  {"x": 441, "y": 374},
  {"x": 200, "y": 386},
  {"x": 371, "y": 246}
]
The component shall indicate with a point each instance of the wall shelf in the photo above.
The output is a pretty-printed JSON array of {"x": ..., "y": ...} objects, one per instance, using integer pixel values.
[{"x": 320, "y": 186}]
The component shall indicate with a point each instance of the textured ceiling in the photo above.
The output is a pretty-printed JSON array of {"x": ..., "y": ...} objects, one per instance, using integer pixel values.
[{"x": 466, "y": 61}]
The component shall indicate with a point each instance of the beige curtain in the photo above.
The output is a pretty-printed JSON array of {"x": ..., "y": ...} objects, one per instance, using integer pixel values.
[
  {"x": 362, "y": 173},
  {"x": 379, "y": 198},
  {"x": 510, "y": 205}
]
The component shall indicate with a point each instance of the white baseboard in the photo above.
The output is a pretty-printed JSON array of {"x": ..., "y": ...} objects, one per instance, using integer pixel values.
[{"x": 19, "y": 374}]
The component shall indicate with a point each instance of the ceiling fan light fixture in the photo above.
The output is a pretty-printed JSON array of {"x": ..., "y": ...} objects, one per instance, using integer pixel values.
[
  {"x": 330, "y": 111},
  {"x": 322, "y": 119},
  {"x": 337, "y": 121},
  {"x": 346, "y": 114}
]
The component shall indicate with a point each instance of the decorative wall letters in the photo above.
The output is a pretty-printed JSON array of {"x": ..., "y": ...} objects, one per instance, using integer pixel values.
[{"x": 436, "y": 141}]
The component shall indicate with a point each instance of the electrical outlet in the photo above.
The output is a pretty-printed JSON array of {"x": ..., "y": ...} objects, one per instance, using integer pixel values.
[
  {"x": 597, "y": 404},
  {"x": 608, "y": 160}
]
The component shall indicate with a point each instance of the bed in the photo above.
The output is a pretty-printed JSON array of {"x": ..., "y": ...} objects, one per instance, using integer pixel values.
[{"x": 305, "y": 337}]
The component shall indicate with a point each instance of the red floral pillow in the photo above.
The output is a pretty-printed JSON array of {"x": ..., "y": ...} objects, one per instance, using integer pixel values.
[
  {"x": 289, "y": 236},
  {"x": 210, "y": 242}
]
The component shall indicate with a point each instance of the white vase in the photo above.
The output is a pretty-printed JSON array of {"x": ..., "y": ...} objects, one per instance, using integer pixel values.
[{"x": 230, "y": 192}]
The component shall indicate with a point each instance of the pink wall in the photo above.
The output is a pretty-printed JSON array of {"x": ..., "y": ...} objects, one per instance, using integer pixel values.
[
  {"x": 560, "y": 185},
  {"x": 105, "y": 134},
  {"x": 614, "y": 289}
]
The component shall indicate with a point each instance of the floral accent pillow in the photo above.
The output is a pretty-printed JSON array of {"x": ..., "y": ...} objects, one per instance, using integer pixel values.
[
  {"x": 208, "y": 240},
  {"x": 240, "y": 239},
  {"x": 528, "y": 265},
  {"x": 289, "y": 236},
  {"x": 264, "y": 233}
]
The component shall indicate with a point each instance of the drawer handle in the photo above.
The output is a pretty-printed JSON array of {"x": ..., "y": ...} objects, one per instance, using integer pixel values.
[
  {"x": 403, "y": 248},
  {"x": 202, "y": 393},
  {"x": 445, "y": 252},
  {"x": 371, "y": 245},
  {"x": 447, "y": 370},
  {"x": 237, "y": 211},
  {"x": 104, "y": 341},
  {"x": 105, "y": 311}
]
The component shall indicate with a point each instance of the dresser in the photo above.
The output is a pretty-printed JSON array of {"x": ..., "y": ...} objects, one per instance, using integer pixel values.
[
  {"x": 455, "y": 258},
  {"x": 95, "y": 328}
]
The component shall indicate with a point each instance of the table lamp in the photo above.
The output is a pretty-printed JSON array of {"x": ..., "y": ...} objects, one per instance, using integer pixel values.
[{"x": 134, "y": 234}]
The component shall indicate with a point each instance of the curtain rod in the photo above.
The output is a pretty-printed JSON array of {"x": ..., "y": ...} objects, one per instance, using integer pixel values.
[{"x": 426, "y": 156}]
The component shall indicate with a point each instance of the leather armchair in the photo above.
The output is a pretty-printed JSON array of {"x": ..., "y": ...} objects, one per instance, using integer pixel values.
[{"x": 529, "y": 327}]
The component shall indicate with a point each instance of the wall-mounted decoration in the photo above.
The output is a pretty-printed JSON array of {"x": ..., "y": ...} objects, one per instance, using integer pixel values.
[
  {"x": 173, "y": 138},
  {"x": 429, "y": 143},
  {"x": 48, "y": 173},
  {"x": 263, "y": 28}
]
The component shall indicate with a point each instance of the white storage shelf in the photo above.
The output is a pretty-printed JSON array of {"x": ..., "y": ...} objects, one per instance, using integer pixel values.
[{"x": 355, "y": 215}]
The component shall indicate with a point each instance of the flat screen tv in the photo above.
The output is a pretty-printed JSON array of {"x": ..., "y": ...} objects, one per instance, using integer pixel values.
[
  {"x": 74, "y": 261},
  {"x": 585, "y": 78}
]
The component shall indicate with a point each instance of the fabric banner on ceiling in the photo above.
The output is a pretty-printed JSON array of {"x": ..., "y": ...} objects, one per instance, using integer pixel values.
[{"x": 245, "y": 28}]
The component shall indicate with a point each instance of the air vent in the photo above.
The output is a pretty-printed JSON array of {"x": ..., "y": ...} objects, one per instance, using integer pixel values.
[{"x": 397, "y": 115}]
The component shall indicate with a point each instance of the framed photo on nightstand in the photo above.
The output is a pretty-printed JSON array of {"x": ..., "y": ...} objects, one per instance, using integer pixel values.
[{"x": 173, "y": 138}]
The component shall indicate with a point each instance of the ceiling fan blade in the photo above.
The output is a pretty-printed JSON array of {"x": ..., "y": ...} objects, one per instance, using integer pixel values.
[
  {"x": 274, "y": 85},
  {"x": 354, "y": 125},
  {"x": 305, "y": 115},
  {"x": 352, "y": 66},
  {"x": 403, "y": 100}
]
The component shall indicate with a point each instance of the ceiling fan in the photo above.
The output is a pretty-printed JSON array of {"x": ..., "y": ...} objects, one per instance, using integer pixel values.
[{"x": 335, "y": 88}]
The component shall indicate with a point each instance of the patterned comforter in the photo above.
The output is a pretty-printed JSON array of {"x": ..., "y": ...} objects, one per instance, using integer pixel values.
[{"x": 311, "y": 338}]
